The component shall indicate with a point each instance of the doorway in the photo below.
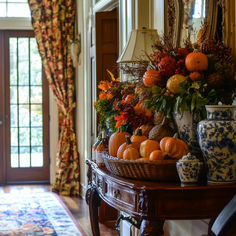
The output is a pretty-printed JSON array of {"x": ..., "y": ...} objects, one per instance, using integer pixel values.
[
  {"x": 24, "y": 107},
  {"x": 103, "y": 55}
]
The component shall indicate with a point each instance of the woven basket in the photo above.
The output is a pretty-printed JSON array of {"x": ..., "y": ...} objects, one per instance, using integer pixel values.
[{"x": 142, "y": 170}]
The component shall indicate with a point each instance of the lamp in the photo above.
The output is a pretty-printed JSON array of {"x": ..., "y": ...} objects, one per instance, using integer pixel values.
[{"x": 139, "y": 46}]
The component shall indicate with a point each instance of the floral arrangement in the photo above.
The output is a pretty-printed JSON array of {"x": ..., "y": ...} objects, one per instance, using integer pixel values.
[
  {"x": 175, "y": 79},
  {"x": 118, "y": 107},
  {"x": 192, "y": 76}
]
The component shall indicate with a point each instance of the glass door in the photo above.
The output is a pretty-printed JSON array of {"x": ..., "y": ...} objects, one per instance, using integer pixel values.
[{"x": 27, "y": 132}]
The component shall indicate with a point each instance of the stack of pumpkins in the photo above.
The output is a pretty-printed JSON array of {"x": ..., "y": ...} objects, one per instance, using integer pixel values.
[{"x": 139, "y": 147}]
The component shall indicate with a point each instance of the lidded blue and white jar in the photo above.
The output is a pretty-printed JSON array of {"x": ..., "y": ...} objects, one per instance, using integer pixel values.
[
  {"x": 217, "y": 140},
  {"x": 189, "y": 169}
]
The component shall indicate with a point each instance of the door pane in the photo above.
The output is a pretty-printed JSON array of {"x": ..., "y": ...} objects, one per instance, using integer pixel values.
[
  {"x": 24, "y": 157},
  {"x": 36, "y": 116},
  {"x": 13, "y": 94},
  {"x": 36, "y": 66},
  {"x": 13, "y": 61},
  {"x": 37, "y": 156},
  {"x": 36, "y": 94},
  {"x": 24, "y": 134},
  {"x": 24, "y": 116},
  {"x": 23, "y": 61},
  {"x": 37, "y": 137},
  {"x": 23, "y": 94},
  {"x": 14, "y": 136},
  {"x": 14, "y": 116},
  {"x": 14, "y": 157}
]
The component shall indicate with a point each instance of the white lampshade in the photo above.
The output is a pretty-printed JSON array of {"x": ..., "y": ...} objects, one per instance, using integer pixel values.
[{"x": 139, "y": 44}]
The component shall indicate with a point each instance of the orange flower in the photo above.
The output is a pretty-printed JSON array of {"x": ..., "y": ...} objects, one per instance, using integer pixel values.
[
  {"x": 113, "y": 77},
  {"x": 102, "y": 95},
  {"x": 109, "y": 96},
  {"x": 141, "y": 109},
  {"x": 94, "y": 103},
  {"x": 121, "y": 119},
  {"x": 105, "y": 85},
  {"x": 119, "y": 123}
]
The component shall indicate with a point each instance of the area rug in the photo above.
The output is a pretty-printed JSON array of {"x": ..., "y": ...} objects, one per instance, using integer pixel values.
[{"x": 36, "y": 214}]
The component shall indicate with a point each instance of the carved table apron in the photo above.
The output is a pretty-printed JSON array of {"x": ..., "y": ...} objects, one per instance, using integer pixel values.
[{"x": 153, "y": 202}]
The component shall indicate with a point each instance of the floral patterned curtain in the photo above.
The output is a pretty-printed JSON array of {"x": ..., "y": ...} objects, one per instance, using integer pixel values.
[{"x": 54, "y": 23}]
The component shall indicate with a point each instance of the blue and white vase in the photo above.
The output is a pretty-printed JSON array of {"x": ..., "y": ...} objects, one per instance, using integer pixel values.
[
  {"x": 217, "y": 139},
  {"x": 189, "y": 169},
  {"x": 186, "y": 124}
]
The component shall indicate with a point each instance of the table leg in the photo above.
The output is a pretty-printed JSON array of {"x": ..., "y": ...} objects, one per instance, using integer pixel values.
[
  {"x": 93, "y": 200},
  {"x": 151, "y": 228}
]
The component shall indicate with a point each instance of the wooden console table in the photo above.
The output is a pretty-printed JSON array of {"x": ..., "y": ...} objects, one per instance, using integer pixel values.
[{"x": 153, "y": 202}]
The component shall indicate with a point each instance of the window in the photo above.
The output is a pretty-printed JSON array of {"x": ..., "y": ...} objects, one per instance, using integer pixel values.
[
  {"x": 26, "y": 103},
  {"x": 199, "y": 9},
  {"x": 14, "y": 8}
]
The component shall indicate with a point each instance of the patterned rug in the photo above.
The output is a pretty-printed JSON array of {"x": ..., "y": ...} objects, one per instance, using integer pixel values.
[{"x": 36, "y": 214}]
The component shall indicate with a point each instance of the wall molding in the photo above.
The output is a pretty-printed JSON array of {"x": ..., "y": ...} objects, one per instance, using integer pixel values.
[
  {"x": 105, "y": 5},
  {"x": 15, "y": 23}
]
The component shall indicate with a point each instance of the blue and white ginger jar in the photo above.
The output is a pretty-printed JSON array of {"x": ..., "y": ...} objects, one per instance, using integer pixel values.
[
  {"x": 189, "y": 169},
  {"x": 217, "y": 140}
]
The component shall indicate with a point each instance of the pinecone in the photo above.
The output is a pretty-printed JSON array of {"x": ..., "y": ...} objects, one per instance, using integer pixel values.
[
  {"x": 160, "y": 131},
  {"x": 127, "y": 90},
  {"x": 215, "y": 80},
  {"x": 217, "y": 49},
  {"x": 208, "y": 47},
  {"x": 158, "y": 118},
  {"x": 144, "y": 94}
]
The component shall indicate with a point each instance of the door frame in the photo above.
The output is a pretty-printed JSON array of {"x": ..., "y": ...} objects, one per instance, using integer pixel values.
[
  {"x": 3, "y": 118},
  {"x": 86, "y": 13},
  {"x": 5, "y": 159}
]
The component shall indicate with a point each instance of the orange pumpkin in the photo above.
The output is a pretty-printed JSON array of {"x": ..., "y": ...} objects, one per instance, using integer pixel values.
[
  {"x": 173, "y": 83},
  {"x": 145, "y": 129},
  {"x": 152, "y": 77},
  {"x": 173, "y": 147},
  {"x": 147, "y": 146},
  {"x": 195, "y": 76},
  {"x": 156, "y": 155},
  {"x": 115, "y": 141},
  {"x": 131, "y": 154},
  {"x": 124, "y": 146},
  {"x": 196, "y": 61},
  {"x": 138, "y": 138}
]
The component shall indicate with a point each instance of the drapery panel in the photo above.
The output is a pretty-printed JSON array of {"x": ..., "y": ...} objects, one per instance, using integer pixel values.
[{"x": 54, "y": 23}]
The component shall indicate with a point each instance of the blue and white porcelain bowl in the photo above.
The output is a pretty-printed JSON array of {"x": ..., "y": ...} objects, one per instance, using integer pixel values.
[
  {"x": 217, "y": 139},
  {"x": 189, "y": 169}
]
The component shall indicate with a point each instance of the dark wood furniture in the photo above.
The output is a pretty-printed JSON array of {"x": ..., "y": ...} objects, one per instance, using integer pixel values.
[
  {"x": 153, "y": 202},
  {"x": 225, "y": 223}
]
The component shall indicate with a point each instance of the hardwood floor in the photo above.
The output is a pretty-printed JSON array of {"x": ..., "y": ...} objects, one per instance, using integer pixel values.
[{"x": 77, "y": 206}]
